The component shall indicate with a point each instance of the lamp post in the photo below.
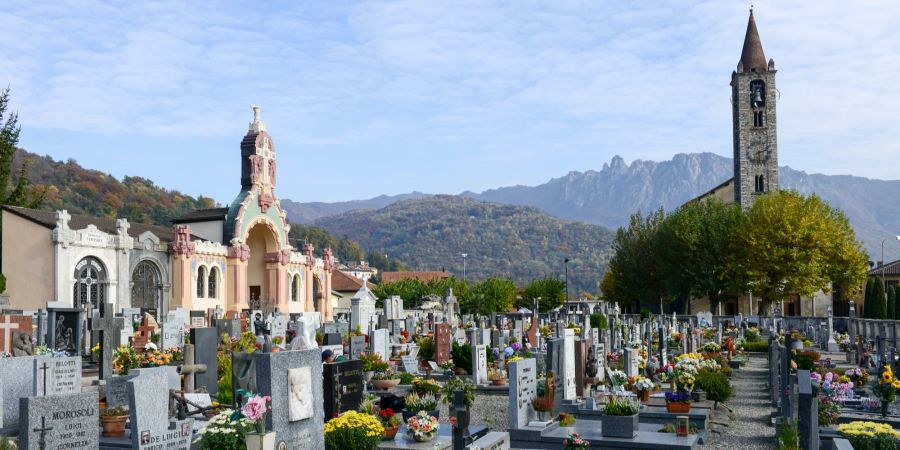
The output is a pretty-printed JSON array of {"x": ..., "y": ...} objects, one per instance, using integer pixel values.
[
  {"x": 567, "y": 279},
  {"x": 883, "y": 283},
  {"x": 464, "y": 255}
]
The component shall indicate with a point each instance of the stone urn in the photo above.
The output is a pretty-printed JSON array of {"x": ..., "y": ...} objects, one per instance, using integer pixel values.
[{"x": 386, "y": 385}]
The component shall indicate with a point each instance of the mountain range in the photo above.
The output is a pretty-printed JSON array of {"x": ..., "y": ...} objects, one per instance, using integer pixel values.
[{"x": 609, "y": 196}]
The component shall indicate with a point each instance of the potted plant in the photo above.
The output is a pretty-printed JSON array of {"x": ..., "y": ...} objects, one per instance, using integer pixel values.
[
  {"x": 254, "y": 411},
  {"x": 497, "y": 376},
  {"x": 422, "y": 427},
  {"x": 390, "y": 422},
  {"x": 886, "y": 389},
  {"x": 386, "y": 380},
  {"x": 575, "y": 442},
  {"x": 643, "y": 386},
  {"x": 416, "y": 403},
  {"x": 422, "y": 386},
  {"x": 620, "y": 417},
  {"x": 372, "y": 363},
  {"x": 678, "y": 402},
  {"x": 869, "y": 434},
  {"x": 353, "y": 430},
  {"x": 113, "y": 421}
]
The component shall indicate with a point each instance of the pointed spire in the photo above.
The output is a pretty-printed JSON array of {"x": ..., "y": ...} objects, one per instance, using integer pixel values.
[{"x": 753, "y": 59}]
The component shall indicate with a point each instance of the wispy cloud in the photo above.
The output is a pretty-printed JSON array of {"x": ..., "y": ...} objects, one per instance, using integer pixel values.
[{"x": 385, "y": 97}]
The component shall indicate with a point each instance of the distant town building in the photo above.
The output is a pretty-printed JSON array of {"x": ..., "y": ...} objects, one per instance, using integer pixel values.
[{"x": 359, "y": 269}]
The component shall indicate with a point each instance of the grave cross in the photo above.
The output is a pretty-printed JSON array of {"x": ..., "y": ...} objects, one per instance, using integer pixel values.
[
  {"x": 7, "y": 327},
  {"x": 42, "y": 443},
  {"x": 110, "y": 329},
  {"x": 43, "y": 369},
  {"x": 461, "y": 430},
  {"x": 189, "y": 369}
]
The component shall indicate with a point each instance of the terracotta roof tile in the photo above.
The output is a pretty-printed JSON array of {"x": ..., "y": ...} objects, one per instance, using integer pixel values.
[{"x": 344, "y": 282}]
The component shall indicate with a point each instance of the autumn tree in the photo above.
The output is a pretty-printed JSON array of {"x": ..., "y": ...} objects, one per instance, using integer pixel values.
[{"x": 792, "y": 244}]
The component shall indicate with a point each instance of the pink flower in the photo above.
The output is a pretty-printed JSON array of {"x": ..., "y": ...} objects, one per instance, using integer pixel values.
[{"x": 255, "y": 408}]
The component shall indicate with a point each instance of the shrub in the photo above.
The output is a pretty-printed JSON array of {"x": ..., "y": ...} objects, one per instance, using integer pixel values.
[
  {"x": 421, "y": 386},
  {"x": 407, "y": 378},
  {"x": 598, "y": 321},
  {"x": 804, "y": 362},
  {"x": 426, "y": 347},
  {"x": 462, "y": 356},
  {"x": 788, "y": 437},
  {"x": 353, "y": 431},
  {"x": 715, "y": 384},
  {"x": 2, "y": 283},
  {"x": 756, "y": 346}
]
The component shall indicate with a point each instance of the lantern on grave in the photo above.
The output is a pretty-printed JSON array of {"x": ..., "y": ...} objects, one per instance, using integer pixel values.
[{"x": 682, "y": 425}]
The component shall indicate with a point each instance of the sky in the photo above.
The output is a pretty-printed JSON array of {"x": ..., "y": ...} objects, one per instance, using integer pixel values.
[{"x": 370, "y": 97}]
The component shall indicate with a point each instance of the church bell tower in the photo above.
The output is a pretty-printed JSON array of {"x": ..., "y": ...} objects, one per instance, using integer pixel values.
[{"x": 753, "y": 98}]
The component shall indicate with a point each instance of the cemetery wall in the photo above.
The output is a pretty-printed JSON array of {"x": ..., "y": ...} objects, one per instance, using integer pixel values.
[{"x": 29, "y": 285}]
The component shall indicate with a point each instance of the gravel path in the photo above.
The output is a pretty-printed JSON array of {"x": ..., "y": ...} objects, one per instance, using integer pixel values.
[{"x": 750, "y": 427}]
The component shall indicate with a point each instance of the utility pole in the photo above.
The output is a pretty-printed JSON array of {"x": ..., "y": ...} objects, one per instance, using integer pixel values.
[
  {"x": 567, "y": 279},
  {"x": 464, "y": 255}
]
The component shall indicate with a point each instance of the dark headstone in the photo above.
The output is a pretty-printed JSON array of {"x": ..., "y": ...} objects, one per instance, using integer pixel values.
[
  {"x": 442, "y": 343},
  {"x": 64, "y": 331},
  {"x": 110, "y": 333},
  {"x": 342, "y": 386},
  {"x": 808, "y": 412},
  {"x": 205, "y": 342}
]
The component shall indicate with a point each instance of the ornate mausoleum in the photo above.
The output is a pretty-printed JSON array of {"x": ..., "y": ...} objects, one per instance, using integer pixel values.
[{"x": 238, "y": 257}]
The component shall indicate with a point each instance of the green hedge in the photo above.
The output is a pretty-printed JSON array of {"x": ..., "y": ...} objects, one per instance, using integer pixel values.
[{"x": 756, "y": 347}]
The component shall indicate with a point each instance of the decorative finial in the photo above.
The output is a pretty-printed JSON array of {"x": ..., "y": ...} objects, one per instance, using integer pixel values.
[
  {"x": 751, "y": 9},
  {"x": 257, "y": 125}
]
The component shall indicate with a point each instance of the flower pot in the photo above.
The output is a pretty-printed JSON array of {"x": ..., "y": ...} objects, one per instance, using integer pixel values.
[
  {"x": 644, "y": 396},
  {"x": 369, "y": 374},
  {"x": 113, "y": 426},
  {"x": 390, "y": 433},
  {"x": 678, "y": 407},
  {"x": 407, "y": 414},
  {"x": 620, "y": 426},
  {"x": 500, "y": 382},
  {"x": 422, "y": 437},
  {"x": 386, "y": 385},
  {"x": 257, "y": 441}
]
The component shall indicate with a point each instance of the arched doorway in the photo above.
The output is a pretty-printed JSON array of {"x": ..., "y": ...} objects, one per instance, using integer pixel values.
[
  {"x": 90, "y": 284},
  {"x": 317, "y": 293},
  {"x": 146, "y": 286},
  {"x": 260, "y": 281}
]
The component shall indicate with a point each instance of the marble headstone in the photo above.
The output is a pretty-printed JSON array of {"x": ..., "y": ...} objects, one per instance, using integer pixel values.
[
  {"x": 57, "y": 376},
  {"x": 522, "y": 389},
  {"x": 294, "y": 381},
  {"x": 148, "y": 404},
  {"x": 59, "y": 422}
]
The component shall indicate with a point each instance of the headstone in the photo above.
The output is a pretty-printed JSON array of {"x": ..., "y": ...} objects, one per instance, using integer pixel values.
[
  {"x": 198, "y": 319},
  {"x": 11, "y": 328},
  {"x": 64, "y": 332},
  {"x": 410, "y": 364},
  {"x": 581, "y": 354},
  {"x": 522, "y": 389},
  {"x": 291, "y": 378},
  {"x": 357, "y": 345},
  {"x": 15, "y": 383},
  {"x": 343, "y": 386},
  {"x": 59, "y": 422},
  {"x": 205, "y": 348},
  {"x": 808, "y": 412},
  {"x": 172, "y": 335},
  {"x": 441, "y": 343},
  {"x": 393, "y": 308},
  {"x": 279, "y": 326},
  {"x": 148, "y": 404},
  {"x": 631, "y": 365},
  {"x": 243, "y": 373},
  {"x": 57, "y": 376},
  {"x": 479, "y": 364},
  {"x": 117, "y": 390},
  {"x": 381, "y": 344},
  {"x": 231, "y": 327}
]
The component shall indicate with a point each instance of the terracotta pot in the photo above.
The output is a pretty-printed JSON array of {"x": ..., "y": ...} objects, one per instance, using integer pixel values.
[
  {"x": 390, "y": 433},
  {"x": 500, "y": 382},
  {"x": 644, "y": 396},
  {"x": 678, "y": 407},
  {"x": 386, "y": 385},
  {"x": 113, "y": 426}
]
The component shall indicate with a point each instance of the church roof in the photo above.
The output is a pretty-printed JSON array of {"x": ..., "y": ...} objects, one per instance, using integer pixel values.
[
  {"x": 753, "y": 59},
  {"x": 202, "y": 215},
  {"x": 343, "y": 282},
  {"x": 78, "y": 222}
]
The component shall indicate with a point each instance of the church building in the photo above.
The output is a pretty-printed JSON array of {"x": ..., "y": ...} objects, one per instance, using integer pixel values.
[{"x": 234, "y": 258}]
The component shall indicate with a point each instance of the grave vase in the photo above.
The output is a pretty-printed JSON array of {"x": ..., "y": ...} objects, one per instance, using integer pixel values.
[
  {"x": 884, "y": 408},
  {"x": 390, "y": 433},
  {"x": 644, "y": 395},
  {"x": 260, "y": 441},
  {"x": 620, "y": 426}
]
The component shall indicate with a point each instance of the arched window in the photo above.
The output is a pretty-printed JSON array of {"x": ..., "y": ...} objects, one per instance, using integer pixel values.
[
  {"x": 757, "y": 93},
  {"x": 90, "y": 283},
  {"x": 317, "y": 292},
  {"x": 295, "y": 288},
  {"x": 201, "y": 282},
  {"x": 146, "y": 289},
  {"x": 760, "y": 183},
  {"x": 213, "y": 283}
]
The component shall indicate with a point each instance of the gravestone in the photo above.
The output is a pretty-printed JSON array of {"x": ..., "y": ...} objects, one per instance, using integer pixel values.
[
  {"x": 64, "y": 332},
  {"x": 172, "y": 335},
  {"x": 357, "y": 345},
  {"x": 380, "y": 343},
  {"x": 567, "y": 365},
  {"x": 441, "y": 343},
  {"x": 808, "y": 412},
  {"x": 205, "y": 348},
  {"x": 15, "y": 383},
  {"x": 148, "y": 405},
  {"x": 393, "y": 308},
  {"x": 343, "y": 386},
  {"x": 279, "y": 326},
  {"x": 410, "y": 364},
  {"x": 117, "y": 390},
  {"x": 110, "y": 329},
  {"x": 580, "y": 366},
  {"x": 59, "y": 422},
  {"x": 479, "y": 364},
  {"x": 630, "y": 362},
  {"x": 199, "y": 319},
  {"x": 243, "y": 373},
  {"x": 57, "y": 376},
  {"x": 331, "y": 339},
  {"x": 291, "y": 378},
  {"x": 11, "y": 326},
  {"x": 522, "y": 389},
  {"x": 231, "y": 327}
]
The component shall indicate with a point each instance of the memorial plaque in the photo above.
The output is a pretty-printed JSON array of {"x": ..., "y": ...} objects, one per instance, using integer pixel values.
[
  {"x": 198, "y": 319},
  {"x": 64, "y": 333},
  {"x": 357, "y": 346},
  {"x": 410, "y": 364},
  {"x": 59, "y": 422},
  {"x": 343, "y": 386},
  {"x": 57, "y": 376},
  {"x": 441, "y": 343}
]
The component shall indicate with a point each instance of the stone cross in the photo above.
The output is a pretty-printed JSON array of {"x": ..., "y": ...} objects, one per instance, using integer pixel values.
[
  {"x": 43, "y": 369},
  {"x": 189, "y": 369},
  {"x": 144, "y": 332},
  {"x": 110, "y": 329},
  {"x": 461, "y": 430},
  {"x": 62, "y": 219}
]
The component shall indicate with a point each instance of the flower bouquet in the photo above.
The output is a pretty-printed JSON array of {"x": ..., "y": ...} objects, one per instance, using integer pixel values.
[
  {"x": 422, "y": 427},
  {"x": 254, "y": 411},
  {"x": 642, "y": 386},
  {"x": 886, "y": 389},
  {"x": 575, "y": 442}
]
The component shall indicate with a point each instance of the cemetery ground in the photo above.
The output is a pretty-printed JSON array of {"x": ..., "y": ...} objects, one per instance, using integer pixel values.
[{"x": 424, "y": 380}]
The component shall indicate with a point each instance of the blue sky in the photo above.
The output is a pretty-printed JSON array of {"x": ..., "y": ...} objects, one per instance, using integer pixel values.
[{"x": 366, "y": 98}]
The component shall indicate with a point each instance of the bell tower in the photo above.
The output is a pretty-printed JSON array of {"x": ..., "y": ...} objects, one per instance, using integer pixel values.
[{"x": 753, "y": 98}]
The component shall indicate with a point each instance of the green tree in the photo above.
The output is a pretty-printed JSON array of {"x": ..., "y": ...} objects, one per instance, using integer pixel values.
[
  {"x": 880, "y": 310},
  {"x": 490, "y": 295},
  {"x": 550, "y": 290},
  {"x": 791, "y": 244},
  {"x": 891, "y": 303},
  {"x": 633, "y": 276},
  {"x": 867, "y": 299},
  {"x": 18, "y": 191},
  {"x": 409, "y": 290}
]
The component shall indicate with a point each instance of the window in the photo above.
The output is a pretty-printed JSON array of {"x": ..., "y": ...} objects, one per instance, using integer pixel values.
[
  {"x": 201, "y": 282},
  {"x": 757, "y": 93},
  {"x": 760, "y": 182},
  {"x": 295, "y": 288},
  {"x": 90, "y": 283},
  {"x": 212, "y": 284},
  {"x": 759, "y": 119},
  {"x": 146, "y": 288}
]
